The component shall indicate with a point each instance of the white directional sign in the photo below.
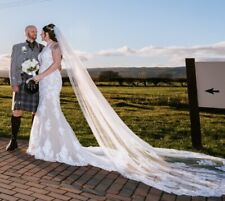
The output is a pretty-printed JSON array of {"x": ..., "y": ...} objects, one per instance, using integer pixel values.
[{"x": 210, "y": 80}]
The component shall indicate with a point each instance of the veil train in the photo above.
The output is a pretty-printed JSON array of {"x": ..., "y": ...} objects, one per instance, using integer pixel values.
[{"x": 173, "y": 171}]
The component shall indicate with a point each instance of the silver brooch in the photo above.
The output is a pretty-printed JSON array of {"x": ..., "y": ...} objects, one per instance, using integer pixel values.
[{"x": 24, "y": 49}]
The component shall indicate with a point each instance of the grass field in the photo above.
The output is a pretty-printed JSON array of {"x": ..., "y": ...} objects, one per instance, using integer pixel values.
[{"x": 159, "y": 115}]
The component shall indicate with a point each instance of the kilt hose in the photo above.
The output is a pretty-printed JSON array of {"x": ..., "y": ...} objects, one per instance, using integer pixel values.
[{"x": 24, "y": 101}]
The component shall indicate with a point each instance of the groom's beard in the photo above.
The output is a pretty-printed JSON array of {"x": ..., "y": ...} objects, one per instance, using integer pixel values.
[{"x": 31, "y": 37}]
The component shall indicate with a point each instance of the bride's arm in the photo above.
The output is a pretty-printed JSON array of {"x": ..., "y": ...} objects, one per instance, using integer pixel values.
[{"x": 57, "y": 57}]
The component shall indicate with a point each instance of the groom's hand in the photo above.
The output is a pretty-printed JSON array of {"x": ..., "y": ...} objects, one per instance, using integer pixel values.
[{"x": 15, "y": 88}]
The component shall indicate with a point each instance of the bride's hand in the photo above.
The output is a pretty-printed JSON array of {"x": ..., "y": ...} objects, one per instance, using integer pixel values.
[
  {"x": 37, "y": 78},
  {"x": 28, "y": 80}
]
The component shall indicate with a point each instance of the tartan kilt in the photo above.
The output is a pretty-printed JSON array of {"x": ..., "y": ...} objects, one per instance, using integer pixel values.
[{"x": 23, "y": 100}]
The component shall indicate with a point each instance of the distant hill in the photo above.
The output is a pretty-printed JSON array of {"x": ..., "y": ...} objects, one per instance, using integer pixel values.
[
  {"x": 4, "y": 73},
  {"x": 131, "y": 72},
  {"x": 142, "y": 72}
]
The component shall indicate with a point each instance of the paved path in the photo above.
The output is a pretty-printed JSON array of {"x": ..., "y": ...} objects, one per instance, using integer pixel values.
[{"x": 24, "y": 178}]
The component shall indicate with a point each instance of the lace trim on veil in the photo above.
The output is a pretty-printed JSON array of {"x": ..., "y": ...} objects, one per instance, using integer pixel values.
[{"x": 173, "y": 171}]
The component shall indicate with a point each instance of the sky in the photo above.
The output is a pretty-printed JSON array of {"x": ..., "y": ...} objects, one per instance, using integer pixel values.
[{"x": 111, "y": 33}]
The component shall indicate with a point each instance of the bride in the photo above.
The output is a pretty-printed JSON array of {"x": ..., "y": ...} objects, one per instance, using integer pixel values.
[{"x": 52, "y": 138}]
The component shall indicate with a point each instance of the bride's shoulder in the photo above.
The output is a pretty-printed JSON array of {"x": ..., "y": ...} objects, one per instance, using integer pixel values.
[
  {"x": 54, "y": 45},
  {"x": 55, "y": 48}
]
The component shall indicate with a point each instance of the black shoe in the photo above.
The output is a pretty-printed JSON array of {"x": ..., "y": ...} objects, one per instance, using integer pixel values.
[{"x": 12, "y": 145}]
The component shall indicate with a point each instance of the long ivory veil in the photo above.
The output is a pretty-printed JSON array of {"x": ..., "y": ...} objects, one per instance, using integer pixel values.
[{"x": 178, "y": 172}]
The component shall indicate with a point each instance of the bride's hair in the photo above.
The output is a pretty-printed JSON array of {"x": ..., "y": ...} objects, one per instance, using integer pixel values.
[{"x": 50, "y": 30}]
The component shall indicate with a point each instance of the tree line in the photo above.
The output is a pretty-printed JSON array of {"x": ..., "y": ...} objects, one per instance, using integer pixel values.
[{"x": 113, "y": 78}]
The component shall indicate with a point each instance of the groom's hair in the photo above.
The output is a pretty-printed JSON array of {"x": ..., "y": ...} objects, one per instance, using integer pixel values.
[{"x": 28, "y": 27}]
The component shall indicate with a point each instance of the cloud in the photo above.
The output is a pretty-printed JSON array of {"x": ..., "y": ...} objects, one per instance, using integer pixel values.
[
  {"x": 171, "y": 56},
  {"x": 4, "y": 61},
  {"x": 123, "y": 51},
  {"x": 146, "y": 56},
  {"x": 84, "y": 56}
]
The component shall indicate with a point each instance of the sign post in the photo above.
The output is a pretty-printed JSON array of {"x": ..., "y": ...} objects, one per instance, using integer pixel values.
[{"x": 193, "y": 104}]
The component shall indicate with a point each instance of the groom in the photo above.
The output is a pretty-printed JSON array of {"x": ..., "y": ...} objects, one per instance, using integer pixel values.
[{"x": 22, "y": 100}]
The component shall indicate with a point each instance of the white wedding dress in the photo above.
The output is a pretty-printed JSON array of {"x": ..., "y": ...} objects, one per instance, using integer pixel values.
[{"x": 52, "y": 138}]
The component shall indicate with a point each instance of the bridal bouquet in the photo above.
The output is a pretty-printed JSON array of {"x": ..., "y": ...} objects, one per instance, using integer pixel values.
[{"x": 30, "y": 67}]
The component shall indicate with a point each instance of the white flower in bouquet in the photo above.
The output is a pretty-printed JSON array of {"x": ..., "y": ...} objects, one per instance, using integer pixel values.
[{"x": 30, "y": 66}]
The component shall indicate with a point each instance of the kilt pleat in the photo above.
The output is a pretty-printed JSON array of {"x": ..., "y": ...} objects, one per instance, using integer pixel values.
[{"x": 23, "y": 100}]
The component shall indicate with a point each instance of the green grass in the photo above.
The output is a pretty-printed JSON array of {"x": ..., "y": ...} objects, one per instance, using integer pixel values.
[{"x": 159, "y": 115}]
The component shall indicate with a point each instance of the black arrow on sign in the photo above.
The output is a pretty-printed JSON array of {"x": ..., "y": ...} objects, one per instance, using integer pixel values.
[{"x": 212, "y": 91}]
